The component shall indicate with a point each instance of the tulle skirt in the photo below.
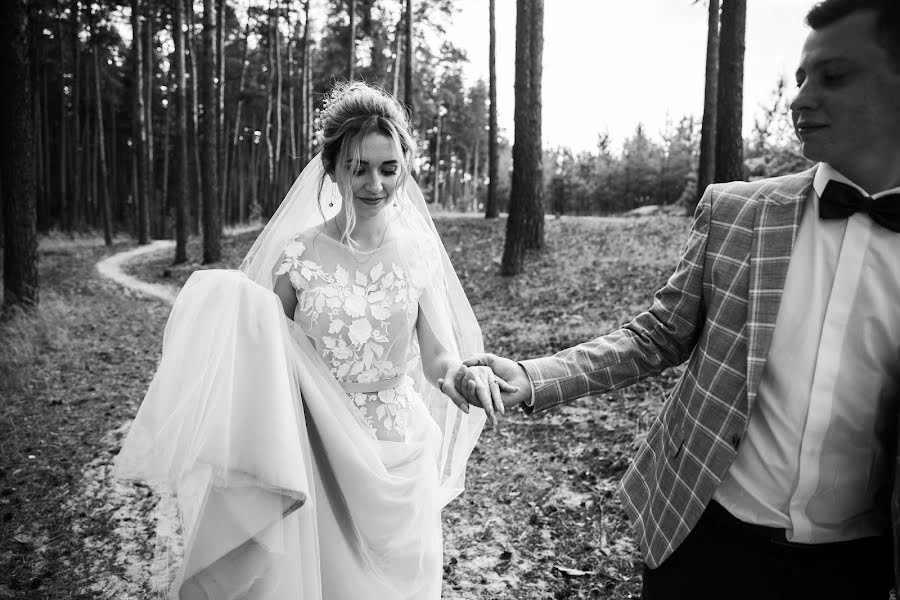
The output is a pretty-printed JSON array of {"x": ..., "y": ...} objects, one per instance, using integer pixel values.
[{"x": 281, "y": 493}]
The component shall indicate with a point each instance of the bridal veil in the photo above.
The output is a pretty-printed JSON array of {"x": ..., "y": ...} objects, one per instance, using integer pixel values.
[{"x": 275, "y": 480}]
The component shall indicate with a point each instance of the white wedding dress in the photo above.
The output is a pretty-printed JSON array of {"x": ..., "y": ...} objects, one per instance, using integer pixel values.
[{"x": 310, "y": 459}]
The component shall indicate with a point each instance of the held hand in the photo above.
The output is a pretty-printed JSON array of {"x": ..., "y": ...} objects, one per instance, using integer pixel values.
[
  {"x": 478, "y": 386},
  {"x": 511, "y": 372}
]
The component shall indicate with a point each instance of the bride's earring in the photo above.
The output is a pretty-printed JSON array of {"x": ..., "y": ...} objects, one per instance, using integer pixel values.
[{"x": 331, "y": 204}]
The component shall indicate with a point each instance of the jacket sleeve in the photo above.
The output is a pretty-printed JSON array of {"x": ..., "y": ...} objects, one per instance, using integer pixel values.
[{"x": 660, "y": 337}]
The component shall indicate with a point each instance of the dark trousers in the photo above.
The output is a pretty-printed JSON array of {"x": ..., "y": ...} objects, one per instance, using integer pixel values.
[{"x": 725, "y": 558}]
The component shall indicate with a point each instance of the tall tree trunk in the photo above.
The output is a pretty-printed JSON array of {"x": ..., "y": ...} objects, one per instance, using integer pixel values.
[
  {"x": 730, "y": 98},
  {"x": 63, "y": 129},
  {"x": 234, "y": 171},
  {"x": 706, "y": 170},
  {"x": 17, "y": 176},
  {"x": 182, "y": 173},
  {"x": 77, "y": 133},
  {"x": 164, "y": 182},
  {"x": 436, "y": 182},
  {"x": 351, "y": 40},
  {"x": 292, "y": 122},
  {"x": 139, "y": 127},
  {"x": 395, "y": 65},
  {"x": 525, "y": 226},
  {"x": 408, "y": 64},
  {"x": 305, "y": 119},
  {"x": 270, "y": 90},
  {"x": 42, "y": 131},
  {"x": 491, "y": 206},
  {"x": 104, "y": 173},
  {"x": 212, "y": 216},
  {"x": 278, "y": 82},
  {"x": 194, "y": 140},
  {"x": 221, "y": 142},
  {"x": 150, "y": 163}
]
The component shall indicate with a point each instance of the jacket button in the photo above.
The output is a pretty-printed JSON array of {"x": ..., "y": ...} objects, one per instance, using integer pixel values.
[{"x": 735, "y": 440}]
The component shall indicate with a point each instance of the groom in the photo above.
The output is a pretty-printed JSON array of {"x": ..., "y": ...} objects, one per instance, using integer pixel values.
[{"x": 769, "y": 472}]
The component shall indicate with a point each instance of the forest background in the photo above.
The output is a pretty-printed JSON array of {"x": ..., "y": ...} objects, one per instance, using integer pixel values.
[{"x": 106, "y": 129}]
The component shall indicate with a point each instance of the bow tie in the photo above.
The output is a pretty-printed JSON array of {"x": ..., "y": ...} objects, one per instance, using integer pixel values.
[{"x": 839, "y": 201}]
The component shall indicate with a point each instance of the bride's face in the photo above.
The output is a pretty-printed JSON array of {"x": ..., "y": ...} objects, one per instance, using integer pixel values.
[{"x": 374, "y": 181}]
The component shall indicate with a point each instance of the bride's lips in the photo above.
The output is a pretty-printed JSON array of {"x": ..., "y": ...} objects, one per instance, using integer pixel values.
[{"x": 370, "y": 200}]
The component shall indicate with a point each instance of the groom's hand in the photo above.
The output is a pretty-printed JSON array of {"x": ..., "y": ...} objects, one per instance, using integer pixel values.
[{"x": 508, "y": 370}]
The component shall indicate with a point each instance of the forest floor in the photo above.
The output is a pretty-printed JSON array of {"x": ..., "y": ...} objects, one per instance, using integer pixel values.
[{"x": 538, "y": 520}]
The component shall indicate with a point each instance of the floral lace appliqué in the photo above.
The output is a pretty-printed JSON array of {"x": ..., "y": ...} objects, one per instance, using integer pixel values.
[{"x": 361, "y": 317}]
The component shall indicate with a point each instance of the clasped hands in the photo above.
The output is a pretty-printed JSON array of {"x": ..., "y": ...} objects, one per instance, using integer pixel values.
[{"x": 488, "y": 381}]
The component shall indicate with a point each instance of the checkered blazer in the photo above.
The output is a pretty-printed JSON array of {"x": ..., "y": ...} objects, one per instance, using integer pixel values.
[{"x": 718, "y": 312}]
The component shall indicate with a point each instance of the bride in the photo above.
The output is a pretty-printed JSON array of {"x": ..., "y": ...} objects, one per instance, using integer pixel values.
[{"x": 311, "y": 456}]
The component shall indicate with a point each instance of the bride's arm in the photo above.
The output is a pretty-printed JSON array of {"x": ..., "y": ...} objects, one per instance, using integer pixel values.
[
  {"x": 442, "y": 366},
  {"x": 285, "y": 291}
]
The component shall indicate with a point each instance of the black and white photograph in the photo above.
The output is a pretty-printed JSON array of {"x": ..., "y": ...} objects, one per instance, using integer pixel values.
[{"x": 450, "y": 299}]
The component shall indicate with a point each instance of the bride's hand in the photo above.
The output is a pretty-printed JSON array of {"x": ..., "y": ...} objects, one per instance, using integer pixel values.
[{"x": 480, "y": 387}]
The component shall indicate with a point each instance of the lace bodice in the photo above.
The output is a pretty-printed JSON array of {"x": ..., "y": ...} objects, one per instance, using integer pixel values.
[{"x": 360, "y": 311}]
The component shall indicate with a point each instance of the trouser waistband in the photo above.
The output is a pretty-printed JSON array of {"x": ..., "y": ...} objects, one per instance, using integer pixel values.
[{"x": 719, "y": 515}]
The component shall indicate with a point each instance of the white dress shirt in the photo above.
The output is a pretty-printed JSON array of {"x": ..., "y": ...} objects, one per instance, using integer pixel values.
[{"x": 816, "y": 456}]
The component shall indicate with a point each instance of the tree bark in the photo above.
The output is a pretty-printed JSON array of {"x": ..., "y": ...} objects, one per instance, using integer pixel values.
[
  {"x": 395, "y": 66},
  {"x": 78, "y": 157},
  {"x": 408, "y": 64},
  {"x": 104, "y": 171},
  {"x": 194, "y": 123},
  {"x": 182, "y": 173},
  {"x": 270, "y": 152},
  {"x": 305, "y": 118},
  {"x": 351, "y": 40},
  {"x": 149, "y": 161},
  {"x": 730, "y": 97},
  {"x": 221, "y": 142},
  {"x": 212, "y": 216},
  {"x": 436, "y": 182},
  {"x": 525, "y": 226},
  {"x": 234, "y": 171},
  {"x": 63, "y": 130},
  {"x": 706, "y": 170},
  {"x": 491, "y": 208},
  {"x": 164, "y": 195},
  {"x": 17, "y": 175},
  {"x": 292, "y": 74},
  {"x": 139, "y": 128}
]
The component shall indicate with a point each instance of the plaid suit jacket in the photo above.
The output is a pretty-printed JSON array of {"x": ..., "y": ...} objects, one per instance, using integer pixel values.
[{"x": 717, "y": 311}]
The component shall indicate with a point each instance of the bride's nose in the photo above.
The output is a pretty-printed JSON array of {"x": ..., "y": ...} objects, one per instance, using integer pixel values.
[{"x": 373, "y": 182}]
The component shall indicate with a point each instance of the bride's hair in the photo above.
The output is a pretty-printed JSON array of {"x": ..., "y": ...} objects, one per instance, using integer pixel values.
[{"x": 351, "y": 112}]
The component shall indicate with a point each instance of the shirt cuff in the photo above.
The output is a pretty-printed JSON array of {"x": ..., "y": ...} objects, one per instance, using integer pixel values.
[{"x": 528, "y": 405}]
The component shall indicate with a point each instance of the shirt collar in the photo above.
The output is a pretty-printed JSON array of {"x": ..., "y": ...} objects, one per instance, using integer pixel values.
[{"x": 825, "y": 173}]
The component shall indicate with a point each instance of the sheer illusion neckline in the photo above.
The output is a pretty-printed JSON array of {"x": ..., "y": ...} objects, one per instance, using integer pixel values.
[{"x": 384, "y": 244}]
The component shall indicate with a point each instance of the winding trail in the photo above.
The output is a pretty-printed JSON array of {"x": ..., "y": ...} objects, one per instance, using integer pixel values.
[{"x": 111, "y": 268}]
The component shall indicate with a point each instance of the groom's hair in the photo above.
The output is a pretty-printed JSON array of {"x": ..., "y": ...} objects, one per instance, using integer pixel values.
[{"x": 887, "y": 20}]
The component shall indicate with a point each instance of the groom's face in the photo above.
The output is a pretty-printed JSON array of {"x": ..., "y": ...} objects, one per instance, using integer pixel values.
[{"x": 847, "y": 109}]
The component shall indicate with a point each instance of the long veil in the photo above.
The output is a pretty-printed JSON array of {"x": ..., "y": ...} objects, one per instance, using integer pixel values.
[{"x": 274, "y": 478}]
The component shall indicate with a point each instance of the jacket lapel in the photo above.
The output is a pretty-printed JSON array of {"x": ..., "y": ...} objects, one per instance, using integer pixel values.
[{"x": 775, "y": 230}]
